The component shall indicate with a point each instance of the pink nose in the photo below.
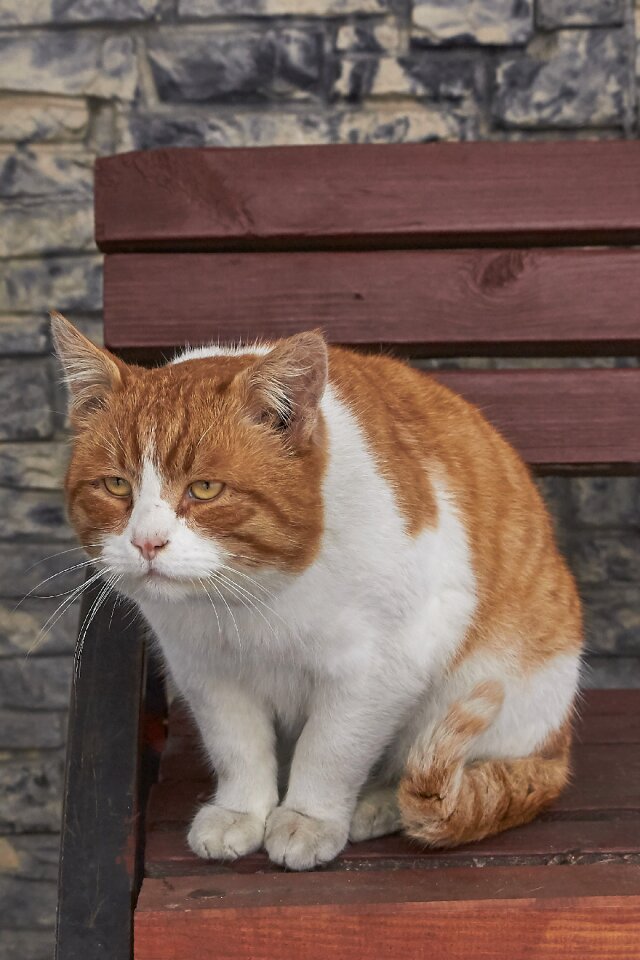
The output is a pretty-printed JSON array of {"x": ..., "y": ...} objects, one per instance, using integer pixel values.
[{"x": 149, "y": 546}]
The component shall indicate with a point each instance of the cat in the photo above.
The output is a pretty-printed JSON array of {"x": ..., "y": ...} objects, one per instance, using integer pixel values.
[{"x": 345, "y": 566}]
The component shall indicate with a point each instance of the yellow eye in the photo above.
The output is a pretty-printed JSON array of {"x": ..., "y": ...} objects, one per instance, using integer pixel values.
[
  {"x": 205, "y": 489},
  {"x": 118, "y": 486}
]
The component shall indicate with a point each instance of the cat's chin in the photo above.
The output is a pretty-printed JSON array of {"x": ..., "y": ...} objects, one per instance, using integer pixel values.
[{"x": 158, "y": 586}]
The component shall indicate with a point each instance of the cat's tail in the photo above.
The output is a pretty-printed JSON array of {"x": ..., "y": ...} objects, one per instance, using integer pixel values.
[{"x": 445, "y": 801}]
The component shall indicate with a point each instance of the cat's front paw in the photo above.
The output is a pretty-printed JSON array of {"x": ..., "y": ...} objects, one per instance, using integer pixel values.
[
  {"x": 299, "y": 842},
  {"x": 220, "y": 834}
]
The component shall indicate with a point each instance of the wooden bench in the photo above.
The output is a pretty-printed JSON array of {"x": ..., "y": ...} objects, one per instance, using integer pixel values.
[{"x": 432, "y": 250}]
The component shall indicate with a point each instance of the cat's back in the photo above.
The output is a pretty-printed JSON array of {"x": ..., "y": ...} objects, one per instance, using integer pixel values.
[{"x": 425, "y": 438}]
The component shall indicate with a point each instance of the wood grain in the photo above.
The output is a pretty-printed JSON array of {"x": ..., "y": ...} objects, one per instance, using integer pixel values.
[
  {"x": 435, "y": 303},
  {"x": 543, "y": 841},
  {"x": 411, "y": 195},
  {"x": 556, "y": 417},
  {"x": 501, "y": 913},
  {"x": 606, "y": 779}
]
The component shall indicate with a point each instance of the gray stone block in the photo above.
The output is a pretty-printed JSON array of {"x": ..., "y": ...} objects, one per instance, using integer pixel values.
[
  {"x": 70, "y": 62},
  {"x": 605, "y": 501},
  {"x": 31, "y": 789},
  {"x": 30, "y": 730},
  {"x": 32, "y": 119},
  {"x": 401, "y": 122},
  {"x": 142, "y": 130},
  {"x": 33, "y": 466},
  {"x": 452, "y": 81},
  {"x": 554, "y": 14},
  {"x": 17, "y": 13},
  {"x": 211, "y": 64},
  {"x": 611, "y": 673},
  {"x": 573, "y": 78},
  {"x": 27, "y": 945},
  {"x": 279, "y": 8},
  {"x": 61, "y": 283},
  {"x": 23, "y": 336},
  {"x": 605, "y": 558},
  {"x": 50, "y": 172},
  {"x": 28, "y": 568},
  {"x": 612, "y": 620},
  {"x": 36, "y": 683},
  {"x": 371, "y": 36},
  {"x": 25, "y": 399},
  {"x": 35, "y": 910},
  {"x": 36, "y": 514},
  {"x": 34, "y": 627},
  {"x": 489, "y": 22},
  {"x": 43, "y": 227},
  {"x": 30, "y": 857}
]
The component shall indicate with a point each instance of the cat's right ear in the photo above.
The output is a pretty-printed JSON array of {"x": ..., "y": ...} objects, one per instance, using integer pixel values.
[{"x": 91, "y": 374}]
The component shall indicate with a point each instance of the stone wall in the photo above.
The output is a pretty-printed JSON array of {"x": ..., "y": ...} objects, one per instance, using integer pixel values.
[{"x": 79, "y": 78}]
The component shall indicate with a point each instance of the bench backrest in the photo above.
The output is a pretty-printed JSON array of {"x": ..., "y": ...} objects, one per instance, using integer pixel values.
[{"x": 434, "y": 250}]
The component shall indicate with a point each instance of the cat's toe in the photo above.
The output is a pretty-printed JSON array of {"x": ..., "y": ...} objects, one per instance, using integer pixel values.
[
  {"x": 299, "y": 842},
  {"x": 376, "y": 815},
  {"x": 220, "y": 834}
]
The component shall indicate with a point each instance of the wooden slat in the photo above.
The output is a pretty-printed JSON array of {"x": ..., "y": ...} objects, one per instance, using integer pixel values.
[
  {"x": 505, "y": 913},
  {"x": 560, "y": 417},
  {"x": 606, "y": 779},
  {"x": 439, "y": 303},
  {"x": 543, "y": 841},
  {"x": 437, "y": 194},
  {"x": 184, "y": 758}
]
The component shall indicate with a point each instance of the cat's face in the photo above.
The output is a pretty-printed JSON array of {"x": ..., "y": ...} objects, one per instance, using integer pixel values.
[{"x": 184, "y": 475}]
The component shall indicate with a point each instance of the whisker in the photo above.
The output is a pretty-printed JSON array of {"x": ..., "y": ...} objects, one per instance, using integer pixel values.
[
  {"x": 44, "y": 596},
  {"x": 222, "y": 597},
  {"x": 59, "y": 554},
  {"x": 252, "y": 580},
  {"x": 90, "y": 617},
  {"x": 248, "y": 597},
  {"x": 212, "y": 604},
  {"x": 60, "y": 610}
]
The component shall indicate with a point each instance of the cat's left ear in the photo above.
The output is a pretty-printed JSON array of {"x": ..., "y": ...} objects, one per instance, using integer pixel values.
[
  {"x": 286, "y": 385},
  {"x": 91, "y": 374}
]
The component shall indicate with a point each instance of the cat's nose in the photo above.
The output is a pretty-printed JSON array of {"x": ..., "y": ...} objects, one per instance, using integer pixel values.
[{"x": 149, "y": 546}]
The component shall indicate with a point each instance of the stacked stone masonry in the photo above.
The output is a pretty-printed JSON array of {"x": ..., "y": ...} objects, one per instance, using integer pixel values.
[{"x": 80, "y": 78}]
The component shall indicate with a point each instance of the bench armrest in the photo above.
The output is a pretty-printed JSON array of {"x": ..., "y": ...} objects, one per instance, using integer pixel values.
[{"x": 100, "y": 852}]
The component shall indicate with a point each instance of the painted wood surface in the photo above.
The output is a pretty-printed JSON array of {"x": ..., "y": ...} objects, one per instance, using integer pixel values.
[
  {"x": 567, "y": 884},
  {"x": 375, "y": 195},
  {"x": 493, "y": 913},
  {"x": 427, "y": 302}
]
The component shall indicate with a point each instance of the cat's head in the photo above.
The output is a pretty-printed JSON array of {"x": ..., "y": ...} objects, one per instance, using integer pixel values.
[{"x": 182, "y": 474}]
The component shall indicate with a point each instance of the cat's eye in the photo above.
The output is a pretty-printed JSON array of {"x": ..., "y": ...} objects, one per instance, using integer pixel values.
[
  {"x": 117, "y": 486},
  {"x": 205, "y": 489}
]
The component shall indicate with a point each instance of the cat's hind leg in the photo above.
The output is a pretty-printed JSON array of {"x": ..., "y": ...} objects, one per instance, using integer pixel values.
[{"x": 445, "y": 800}]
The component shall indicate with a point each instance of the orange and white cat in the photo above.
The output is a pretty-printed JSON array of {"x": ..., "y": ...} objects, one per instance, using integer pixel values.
[{"x": 341, "y": 557}]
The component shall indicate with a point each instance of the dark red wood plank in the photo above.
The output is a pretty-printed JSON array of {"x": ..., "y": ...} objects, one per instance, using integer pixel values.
[
  {"x": 357, "y": 195},
  {"x": 498, "y": 913},
  {"x": 543, "y": 841},
  {"x": 618, "y": 701},
  {"x": 446, "y": 303},
  {"x": 402, "y": 886},
  {"x": 184, "y": 758},
  {"x": 560, "y": 417},
  {"x": 606, "y": 779}
]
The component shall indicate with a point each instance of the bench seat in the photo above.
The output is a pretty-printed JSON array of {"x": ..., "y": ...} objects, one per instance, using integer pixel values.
[{"x": 565, "y": 885}]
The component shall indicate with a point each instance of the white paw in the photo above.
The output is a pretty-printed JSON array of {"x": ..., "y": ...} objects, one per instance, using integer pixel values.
[
  {"x": 375, "y": 815},
  {"x": 302, "y": 843},
  {"x": 220, "y": 834}
]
